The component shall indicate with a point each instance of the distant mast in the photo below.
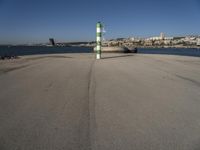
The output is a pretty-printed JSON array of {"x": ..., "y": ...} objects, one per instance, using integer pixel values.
[{"x": 98, "y": 40}]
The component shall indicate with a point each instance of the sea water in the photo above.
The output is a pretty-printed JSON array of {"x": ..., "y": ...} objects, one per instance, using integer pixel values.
[{"x": 31, "y": 50}]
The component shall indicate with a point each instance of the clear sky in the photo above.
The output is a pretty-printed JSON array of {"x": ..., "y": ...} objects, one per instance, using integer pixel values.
[{"x": 27, "y": 21}]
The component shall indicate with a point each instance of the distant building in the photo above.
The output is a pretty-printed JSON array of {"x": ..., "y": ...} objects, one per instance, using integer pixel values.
[
  {"x": 52, "y": 42},
  {"x": 167, "y": 41},
  {"x": 169, "y": 38},
  {"x": 134, "y": 39},
  {"x": 148, "y": 43},
  {"x": 198, "y": 42},
  {"x": 162, "y": 36}
]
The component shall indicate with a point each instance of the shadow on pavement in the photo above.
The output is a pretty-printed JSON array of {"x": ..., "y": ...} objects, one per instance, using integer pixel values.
[{"x": 110, "y": 57}]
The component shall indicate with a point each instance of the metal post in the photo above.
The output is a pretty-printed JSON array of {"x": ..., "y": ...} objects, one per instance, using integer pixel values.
[{"x": 98, "y": 39}]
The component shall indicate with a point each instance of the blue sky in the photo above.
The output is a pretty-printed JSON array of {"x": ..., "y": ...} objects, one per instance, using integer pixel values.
[{"x": 34, "y": 21}]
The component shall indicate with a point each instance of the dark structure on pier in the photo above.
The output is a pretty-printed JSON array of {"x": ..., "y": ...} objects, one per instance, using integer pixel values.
[{"x": 52, "y": 42}]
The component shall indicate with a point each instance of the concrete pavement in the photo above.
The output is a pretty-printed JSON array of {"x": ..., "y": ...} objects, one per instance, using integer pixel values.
[
  {"x": 72, "y": 101},
  {"x": 45, "y": 105},
  {"x": 147, "y": 102}
]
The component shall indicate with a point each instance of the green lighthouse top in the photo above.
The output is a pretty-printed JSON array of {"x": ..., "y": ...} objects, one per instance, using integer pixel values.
[{"x": 99, "y": 25}]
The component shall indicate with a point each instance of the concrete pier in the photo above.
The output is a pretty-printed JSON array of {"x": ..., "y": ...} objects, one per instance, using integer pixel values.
[{"x": 123, "y": 101}]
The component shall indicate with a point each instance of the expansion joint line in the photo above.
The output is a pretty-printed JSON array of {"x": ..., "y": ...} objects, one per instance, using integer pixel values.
[{"x": 91, "y": 105}]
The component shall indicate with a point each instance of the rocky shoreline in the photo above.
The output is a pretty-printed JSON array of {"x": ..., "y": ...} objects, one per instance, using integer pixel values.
[{"x": 8, "y": 57}]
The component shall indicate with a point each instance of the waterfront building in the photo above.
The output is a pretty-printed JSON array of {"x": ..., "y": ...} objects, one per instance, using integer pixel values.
[
  {"x": 198, "y": 42},
  {"x": 148, "y": 43}
]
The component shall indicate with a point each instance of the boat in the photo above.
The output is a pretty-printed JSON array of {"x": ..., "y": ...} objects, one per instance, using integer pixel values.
[{"x": 117, "y": 49}]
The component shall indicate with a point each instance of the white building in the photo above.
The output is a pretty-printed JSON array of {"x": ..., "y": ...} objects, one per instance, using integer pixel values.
[
  {"x": 198, "y": 42},
  {"x": 135, "y": 39},
  {"x": 154, "y": 38},
  {"x": 161, "y": 37}
]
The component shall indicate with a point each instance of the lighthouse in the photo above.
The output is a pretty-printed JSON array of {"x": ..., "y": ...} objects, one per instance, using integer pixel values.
[{"x": 99, "y": 27}]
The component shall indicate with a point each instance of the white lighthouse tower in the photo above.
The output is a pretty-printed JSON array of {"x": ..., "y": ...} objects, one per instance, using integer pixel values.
[{"x": 99, "y": 28}]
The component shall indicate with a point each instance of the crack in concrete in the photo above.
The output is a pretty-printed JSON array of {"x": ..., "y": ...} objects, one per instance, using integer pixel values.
[
  {"x": 6, "y": 70},
  {"x": 188, "y": 79},
  {"x": 91, "y": 105}
]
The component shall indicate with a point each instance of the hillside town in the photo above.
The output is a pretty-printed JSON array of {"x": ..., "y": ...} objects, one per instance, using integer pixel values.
[
  {"x": 157, "y": 42},
  {"x": 161, "y": 41}
]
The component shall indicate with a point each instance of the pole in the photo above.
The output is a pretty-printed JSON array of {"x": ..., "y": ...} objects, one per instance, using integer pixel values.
[{"x": 98, "y": 39}]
